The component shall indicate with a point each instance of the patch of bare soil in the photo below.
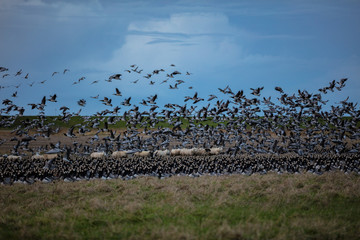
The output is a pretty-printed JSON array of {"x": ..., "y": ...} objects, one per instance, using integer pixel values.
[{"x": 10, "y": 139}]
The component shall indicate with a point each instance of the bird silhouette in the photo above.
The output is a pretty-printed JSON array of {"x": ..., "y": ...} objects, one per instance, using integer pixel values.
[{"x": 117, "y": 93}]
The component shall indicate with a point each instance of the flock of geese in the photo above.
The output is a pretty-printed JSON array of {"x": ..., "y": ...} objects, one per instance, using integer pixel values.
[
  {"x": 83, "y": 168},
  {"x": 255, "y": 134}
]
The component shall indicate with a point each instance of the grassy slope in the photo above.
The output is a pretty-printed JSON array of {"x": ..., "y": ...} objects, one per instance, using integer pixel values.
[{"x": 229, "y": 207}]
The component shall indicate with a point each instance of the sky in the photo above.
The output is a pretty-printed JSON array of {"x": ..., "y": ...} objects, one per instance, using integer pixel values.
[{"x": 243, "y": 44}]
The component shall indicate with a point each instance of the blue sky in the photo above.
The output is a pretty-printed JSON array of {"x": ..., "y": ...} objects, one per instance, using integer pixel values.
[{"x": 243, "y": 44}]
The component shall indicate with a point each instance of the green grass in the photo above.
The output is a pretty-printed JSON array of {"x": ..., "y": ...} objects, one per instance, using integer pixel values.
[
  {"x": 229, "y": 207},
  {"x": 19, "y": 121}
]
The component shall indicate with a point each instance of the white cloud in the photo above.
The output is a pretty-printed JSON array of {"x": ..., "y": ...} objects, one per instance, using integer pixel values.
[
  {"x": 198, "y": 41},
  {"x": 192, "y": 40},
  {"x": 153, "y": 51},
  {"x": 187, "y": 23}
]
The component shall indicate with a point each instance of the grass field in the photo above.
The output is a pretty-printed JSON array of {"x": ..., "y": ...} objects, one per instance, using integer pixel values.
[{"x": 271, "y": 206}]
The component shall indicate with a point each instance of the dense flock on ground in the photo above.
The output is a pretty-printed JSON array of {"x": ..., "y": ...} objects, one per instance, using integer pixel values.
[{"x": 237, "y": 134}]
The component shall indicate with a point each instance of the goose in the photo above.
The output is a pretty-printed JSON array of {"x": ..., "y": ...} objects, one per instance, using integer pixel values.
[
  {"x": 173, "y": 87},
  {"x": 279, "y": 89},
  {"x": 118, "y": 93},
  {"x": 52, "y": 98},
  {"x": 18, "y": 72},
  {"x": 152, "y": 99},
  {"x": 115, "y": 76},
  {"x": 256, "y": 91},
  {"x": 81, "y": 102},
  {"x": 211, "y": 97},
  {"x": 3, "y": 69},
  {"x": 70, "y": 132},
  {"x": 126, "y": 102}
]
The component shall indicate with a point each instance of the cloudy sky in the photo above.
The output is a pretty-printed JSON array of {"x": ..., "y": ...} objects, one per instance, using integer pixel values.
[{"x": 243, "y": 44}]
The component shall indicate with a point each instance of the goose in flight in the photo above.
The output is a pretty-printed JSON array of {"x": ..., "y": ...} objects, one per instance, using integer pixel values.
[
  {"x": 148, "y": 76},
  {"x": 52, "y": 98},
  {"x": 70, "y": 132},
  {"x": 341, "y": 83},
  {"x": 174, "y": 87},
  {"x": 64, "y": 109},
  {"x": 42, "y": 104},
  {"x": 211, "y": 97},
  {"x": 126, "y": 102},
  {"x": 118, "y": 93},
  {"x": 3, "y": 69},
  {"x": 164, "y": 81},
  {"x": 256, "y": 91},
  {"x": 115, "y": 77},
  {"x": 175, "y": 73},
  {"x": 224, "y": 90},
  {"x": 18, "y": 73},
  {"x": 279, "y": 89},
  {"x": 187, "y": 98},
  {"x": 107, "y": 101},
  {"x": 152, "y": 99},
  {"x": 33, "y": 105},
  {"x": 143, "y": 102},
  {"x": 82, "y": 102}
]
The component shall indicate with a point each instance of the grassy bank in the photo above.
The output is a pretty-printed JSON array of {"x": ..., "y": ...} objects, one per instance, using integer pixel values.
[{"x": 269, "y": 206}]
